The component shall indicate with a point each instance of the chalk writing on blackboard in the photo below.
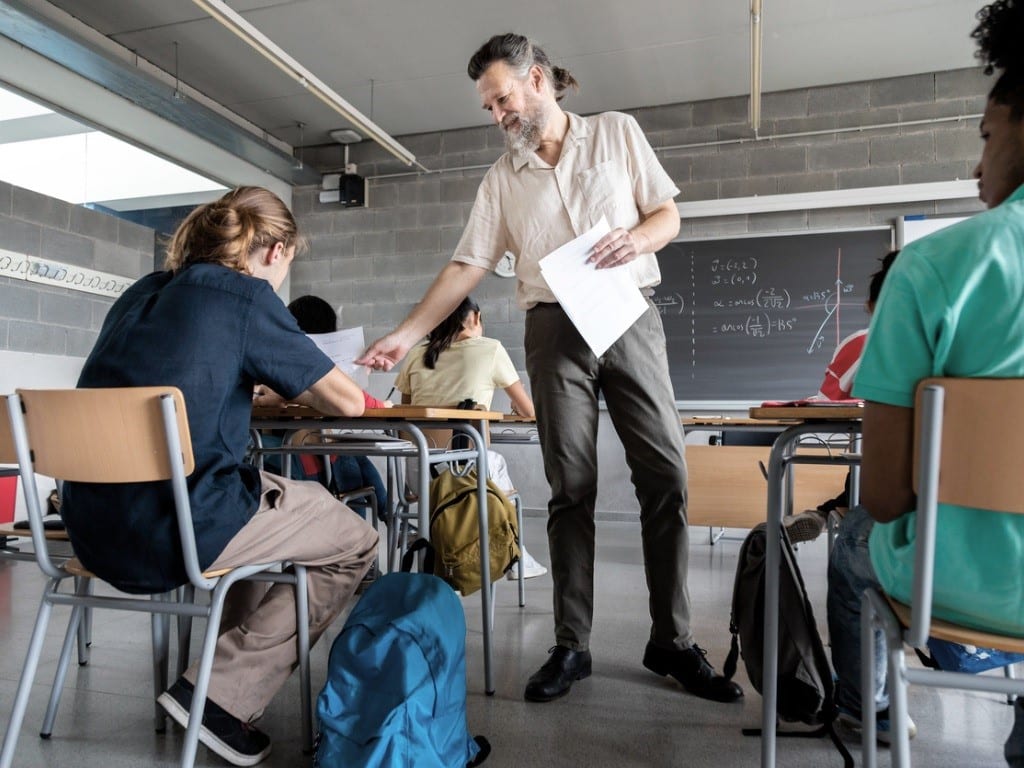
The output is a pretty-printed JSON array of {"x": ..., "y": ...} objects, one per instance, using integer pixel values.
[
  {"x": 48, "y": 272},
  {"x": 762, "y": 314}
]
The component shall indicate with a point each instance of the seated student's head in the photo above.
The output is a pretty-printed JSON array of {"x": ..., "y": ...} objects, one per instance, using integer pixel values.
[
  {"x": 313, "y": 314},
  {"x": 249, "y": 230},
  {"x": 877, "y": 278},
  {"x": 1000, "y": 33},
  {"x": 464, "y": 322}
]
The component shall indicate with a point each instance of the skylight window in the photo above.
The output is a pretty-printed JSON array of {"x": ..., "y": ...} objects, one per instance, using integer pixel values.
[{"x": 83, "y": 166}]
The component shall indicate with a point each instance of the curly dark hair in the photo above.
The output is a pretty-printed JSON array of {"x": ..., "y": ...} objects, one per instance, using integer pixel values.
[{"x": 999, "y": 33}]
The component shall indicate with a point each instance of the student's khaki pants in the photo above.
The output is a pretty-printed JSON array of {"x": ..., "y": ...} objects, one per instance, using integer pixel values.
[
  {"x": 565, "y": 378},
  {"x": 256, "y": 651}
]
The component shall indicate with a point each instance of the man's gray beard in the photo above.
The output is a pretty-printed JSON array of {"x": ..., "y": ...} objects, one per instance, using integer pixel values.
[{"x": 527, "y": 140}]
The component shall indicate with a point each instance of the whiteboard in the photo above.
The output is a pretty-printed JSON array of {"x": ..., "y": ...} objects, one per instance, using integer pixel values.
[{"x": 911, "y": 228}]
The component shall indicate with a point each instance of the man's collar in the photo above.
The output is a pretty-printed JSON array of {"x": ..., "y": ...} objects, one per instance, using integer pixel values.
[{"x": 578, "y": 130}]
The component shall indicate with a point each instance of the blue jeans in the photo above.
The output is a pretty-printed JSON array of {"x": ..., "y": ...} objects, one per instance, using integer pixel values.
[{"x": 849, "y": 574}]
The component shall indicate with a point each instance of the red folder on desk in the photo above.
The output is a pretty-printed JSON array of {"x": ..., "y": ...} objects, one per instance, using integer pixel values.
[{"x": 811, "y": 402}]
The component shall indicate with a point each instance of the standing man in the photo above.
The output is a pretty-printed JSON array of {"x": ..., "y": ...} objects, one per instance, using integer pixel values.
[
  {"x": 562, "y": 173},
  {"x": 951, "y": 306}
]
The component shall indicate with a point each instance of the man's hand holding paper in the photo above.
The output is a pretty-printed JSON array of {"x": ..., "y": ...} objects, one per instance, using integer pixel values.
[{"x": 601, "y": 302}]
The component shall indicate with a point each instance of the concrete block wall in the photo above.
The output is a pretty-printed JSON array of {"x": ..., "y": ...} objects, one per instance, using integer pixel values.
[
  {"x": 42, "y": 319},
  {"x": 376, "y": 262}
]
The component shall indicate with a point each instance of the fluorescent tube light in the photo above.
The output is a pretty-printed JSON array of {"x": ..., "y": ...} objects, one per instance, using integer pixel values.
[{"x": 277, "y": 56}]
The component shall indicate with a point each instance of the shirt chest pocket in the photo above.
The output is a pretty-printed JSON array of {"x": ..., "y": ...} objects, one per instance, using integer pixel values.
[{"x": 597, "y": 190}]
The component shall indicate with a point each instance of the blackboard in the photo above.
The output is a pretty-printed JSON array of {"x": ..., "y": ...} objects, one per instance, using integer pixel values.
[{"x": 758, "y": 318}]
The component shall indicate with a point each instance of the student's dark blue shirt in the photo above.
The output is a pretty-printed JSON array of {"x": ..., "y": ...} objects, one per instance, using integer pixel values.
[{"x": 212, "y": 332}]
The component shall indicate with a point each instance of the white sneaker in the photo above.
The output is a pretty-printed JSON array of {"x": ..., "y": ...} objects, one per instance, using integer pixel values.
[
  {"x": 883, "y": 727},
  {"x": 531, "y": 567}
]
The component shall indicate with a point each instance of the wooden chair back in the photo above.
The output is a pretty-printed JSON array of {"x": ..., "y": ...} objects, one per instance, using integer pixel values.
[
  {"x": 7, "y": 452},
  {"x": 103, "y": 435},
  {"x": 982, "y": 443}
]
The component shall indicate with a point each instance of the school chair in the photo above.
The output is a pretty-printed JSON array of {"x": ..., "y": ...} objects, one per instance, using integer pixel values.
[
  {"x": 57, "y": 541},
  {"x": 966, "y": 453},
  {"x": 116, "y": 436}
]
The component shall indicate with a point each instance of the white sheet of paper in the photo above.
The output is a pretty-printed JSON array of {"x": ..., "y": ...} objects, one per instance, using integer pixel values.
[
  {"x": 343, "y": 347},
  {"x": 602, "y": 303}
]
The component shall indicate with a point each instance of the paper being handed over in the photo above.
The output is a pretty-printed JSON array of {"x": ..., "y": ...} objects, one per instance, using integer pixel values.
[{"x": 602, "y": 303}]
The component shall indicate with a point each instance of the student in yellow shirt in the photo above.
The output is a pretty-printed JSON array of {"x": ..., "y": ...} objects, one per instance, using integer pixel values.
[{"x": 457, "y": 362}]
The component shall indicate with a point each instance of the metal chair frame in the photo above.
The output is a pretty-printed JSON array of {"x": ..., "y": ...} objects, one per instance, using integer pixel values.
[{"x": 165, "y": 406}]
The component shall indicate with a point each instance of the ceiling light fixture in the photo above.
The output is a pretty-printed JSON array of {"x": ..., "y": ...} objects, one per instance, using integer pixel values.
[{"x": 273, "y": 53}]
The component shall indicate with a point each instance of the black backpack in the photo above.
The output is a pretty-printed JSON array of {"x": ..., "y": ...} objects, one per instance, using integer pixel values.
[{"x": 806, "y": 691}]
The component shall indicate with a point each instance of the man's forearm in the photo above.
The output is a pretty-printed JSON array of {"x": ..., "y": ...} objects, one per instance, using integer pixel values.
[
  {"x": 658, "y": 229},
  {"x": 452, "y": 284}
]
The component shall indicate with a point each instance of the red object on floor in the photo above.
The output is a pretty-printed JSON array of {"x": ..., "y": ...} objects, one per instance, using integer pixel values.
[{"x": 8, "y": 490}]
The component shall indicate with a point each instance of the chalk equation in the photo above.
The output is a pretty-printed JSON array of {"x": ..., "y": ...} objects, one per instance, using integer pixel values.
[
  {"x": 669, "y": 304},
  {"x": 759, "y": 326}
]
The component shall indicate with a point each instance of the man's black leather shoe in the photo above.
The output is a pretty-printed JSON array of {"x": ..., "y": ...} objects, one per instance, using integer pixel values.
[
  {"x": 692, "y": 671},
  {"x": 558, "y": 674}
]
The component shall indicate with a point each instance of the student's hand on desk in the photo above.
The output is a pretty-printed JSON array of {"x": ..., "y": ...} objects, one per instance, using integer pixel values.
[
  {"x": 265, "y": 396},
  {"x": 386, "y": 352}
]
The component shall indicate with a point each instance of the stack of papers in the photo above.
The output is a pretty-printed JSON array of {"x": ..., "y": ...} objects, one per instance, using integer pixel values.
[{"x": 343, "y": 347}]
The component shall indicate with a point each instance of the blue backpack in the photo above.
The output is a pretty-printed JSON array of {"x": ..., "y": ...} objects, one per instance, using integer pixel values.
[{"x": 395, "y": 695}]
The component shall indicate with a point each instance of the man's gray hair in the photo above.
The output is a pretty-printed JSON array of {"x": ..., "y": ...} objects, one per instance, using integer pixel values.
[{"x": 520, "y": 53}]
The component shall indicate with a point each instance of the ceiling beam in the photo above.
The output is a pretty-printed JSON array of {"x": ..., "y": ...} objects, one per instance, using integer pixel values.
[{"x": 48, "y": 63}]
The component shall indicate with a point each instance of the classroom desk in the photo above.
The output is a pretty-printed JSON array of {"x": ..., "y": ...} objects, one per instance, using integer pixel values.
[
  {"x": 515, "y": 430},
  {"x": 413, "y": 420},
  {"x": 726, "y": 485},
  {"x": 803, "y": 420}
]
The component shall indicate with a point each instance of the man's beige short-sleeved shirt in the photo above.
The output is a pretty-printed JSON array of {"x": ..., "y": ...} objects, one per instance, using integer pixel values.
[{"x": 607, "y": 168}]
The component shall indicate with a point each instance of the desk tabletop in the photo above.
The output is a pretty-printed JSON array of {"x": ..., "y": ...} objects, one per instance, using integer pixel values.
[
  {"x": 398, "y": 413},
  {"x": 721, "y": 421},
  {"x": 808, "y": 412}
]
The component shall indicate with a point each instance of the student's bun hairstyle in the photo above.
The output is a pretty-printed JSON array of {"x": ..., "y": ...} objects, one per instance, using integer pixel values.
[
  {"x": 442, "y": 337},
  {"x": 520, "y": 53},
  {"x": 313, "y": 314},
  {"x": 1000, "y": 36},
  {"x": 228, "y": 230}
]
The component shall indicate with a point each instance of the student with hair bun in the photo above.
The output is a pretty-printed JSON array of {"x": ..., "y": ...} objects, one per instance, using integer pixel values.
[
  {"x": 951, "y": 307},
  {"x": 212, "y": 325},
  {"x": 456, "y": 363}
]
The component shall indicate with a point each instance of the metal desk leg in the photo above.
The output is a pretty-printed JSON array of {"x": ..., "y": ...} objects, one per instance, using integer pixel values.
[
  {"x": 476, "y": 431},
  {"x": 776, "y": 507}
]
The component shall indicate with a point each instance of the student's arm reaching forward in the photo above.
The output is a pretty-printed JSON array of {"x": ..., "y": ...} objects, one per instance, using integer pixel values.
[{"x": 454, "y": 283}]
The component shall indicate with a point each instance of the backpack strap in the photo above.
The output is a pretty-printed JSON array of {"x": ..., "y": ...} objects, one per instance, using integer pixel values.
[
  {"x": 828, "y": 729},
  {"x": 410, "y": 553},
  {"x": 483, "y": 754},
  {"x": 729, "y": 669}
]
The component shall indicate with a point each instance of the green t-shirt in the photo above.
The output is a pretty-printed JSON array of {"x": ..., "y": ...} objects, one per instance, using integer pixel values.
[{"x": 953, "y": 305}]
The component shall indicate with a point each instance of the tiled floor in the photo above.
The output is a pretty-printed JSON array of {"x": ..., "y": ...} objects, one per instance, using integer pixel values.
[{"x": 621, "y": 716}]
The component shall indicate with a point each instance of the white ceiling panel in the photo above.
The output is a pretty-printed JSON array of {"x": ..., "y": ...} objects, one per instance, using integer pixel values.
[{"x": 633, "y": 54}]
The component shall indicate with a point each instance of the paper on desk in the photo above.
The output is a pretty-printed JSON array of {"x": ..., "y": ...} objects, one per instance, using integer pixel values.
[
  {"x": 343, "y": 347},
  {"x": 602, "y": 303}
]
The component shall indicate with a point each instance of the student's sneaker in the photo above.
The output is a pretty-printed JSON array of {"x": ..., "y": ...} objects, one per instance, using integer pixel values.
[
  {"x": 531, "y": 567},
  {"x": 850, "y": 721},
  {"x": 807, "y": 526},
  {"x": 237, "y": 742}
]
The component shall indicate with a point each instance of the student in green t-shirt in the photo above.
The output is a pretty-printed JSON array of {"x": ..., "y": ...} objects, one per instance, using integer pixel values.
[{"x": 951, "y": 306}]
